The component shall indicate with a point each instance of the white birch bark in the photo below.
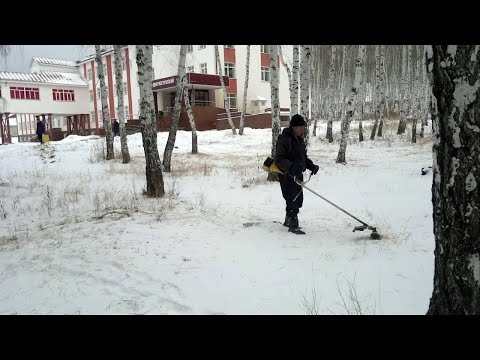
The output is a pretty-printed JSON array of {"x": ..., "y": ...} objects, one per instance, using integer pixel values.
[
  {"x": 305, "y": 89},
  {"x": 402, "y": 106},
  {"x": 120, "y": 107},
  {"x": 383, "y": 81},
  {"x": 416, "y": 89},
  {"x": 274, "y": 84},
  {"x": 224, "y": 90},
  {"x": 351, "y": 104},
  {"x": 191, "y": 119},
  {"x": 331, "y": 79},
  {"x": 172, "y": 134},
  {"x": 104, "y": 101},
  {"x": 245, "y": 89},
  {"x": 455, "y": 190},
  {"x": 290, "y": 80},
  {"x": 153, "y": 166},
  {"x": 378, "y": 86},
  {"x": 295, "y": 72}
]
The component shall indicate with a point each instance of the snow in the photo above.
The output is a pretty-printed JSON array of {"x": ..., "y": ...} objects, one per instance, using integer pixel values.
[{"x": 78, "y": 237}]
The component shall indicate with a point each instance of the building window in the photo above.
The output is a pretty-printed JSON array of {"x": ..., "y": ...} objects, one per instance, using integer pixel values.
[
  {"x": 229, "y": 46},
  {"x": 200, "y": 47},
  {"x": 265, "y": 49},
  {"x": 127, "y": 115},
  {"x": 24, "y": 93},
  {"x": 203, "y": 68},
  {"x": 89, "y": 74},
  {"x": 63, "y": 95},
  {"x": 265, "y": 73},
  {"x": 189, "y": 48},
  {"x": 232, "y": 100},
  {"x": 190, "y": 69},
  {"x": 230, "y": 70}
]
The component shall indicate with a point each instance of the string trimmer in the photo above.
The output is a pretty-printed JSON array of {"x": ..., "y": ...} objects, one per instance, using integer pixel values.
[{"x": 269, "y": 166}]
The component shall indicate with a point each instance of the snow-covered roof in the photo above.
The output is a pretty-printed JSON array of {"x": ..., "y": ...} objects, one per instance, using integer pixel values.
[
  {"x": 46, "y": 77},
  {"x": 259, "y": 98},
  {"x": 49, "y": 61}
]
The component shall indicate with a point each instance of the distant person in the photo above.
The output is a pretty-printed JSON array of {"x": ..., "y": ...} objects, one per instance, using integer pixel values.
[
  {"x": 40, "y": 130},
  {"x": 116, "y": 128}
]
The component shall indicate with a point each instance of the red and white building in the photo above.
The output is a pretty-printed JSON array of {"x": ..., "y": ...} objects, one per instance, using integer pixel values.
[
  {"x": 53, "y": 91},
  {"x": 66, "y": 94}
]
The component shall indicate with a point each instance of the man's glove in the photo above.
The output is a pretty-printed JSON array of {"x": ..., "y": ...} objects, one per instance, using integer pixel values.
[
  {"x": 315, "y": 169},
  {"x": 296, "y": 170}
]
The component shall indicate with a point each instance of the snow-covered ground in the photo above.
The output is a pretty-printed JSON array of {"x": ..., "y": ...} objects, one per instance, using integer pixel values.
[{"x": 78, "y": 237}]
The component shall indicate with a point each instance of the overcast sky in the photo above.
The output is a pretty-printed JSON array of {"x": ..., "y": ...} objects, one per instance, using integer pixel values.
[{"x": 21, "y": 55}]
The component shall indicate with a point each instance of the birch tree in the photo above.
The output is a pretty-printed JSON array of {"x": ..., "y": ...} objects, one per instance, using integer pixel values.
[
  {"x": 148, "y": 121},
  {"x": 274, "y": 82},
  {"x": 378, "y": 86},
  {"x": 357, "y": 85},
  {"x": 245, "y": 89},
  {"x": 290, "y": 80},
  {"x": 191, "y": 119},
  {"x": 416, "y": 88},
  {"x": 224, "y": 90},
  {"x": 104, "y": 102},
  {"x": 331, "y": 78},
  {"x": 383, "y": 82},
  {"x": 294, "y": 89},
  {"x": 455, "y": 192},
  {"x": 120, "y": 107},
  {"x": 403, "y": 114},
  {"x": 172, "y": 134},
  {"x": 305, "y": 89}
]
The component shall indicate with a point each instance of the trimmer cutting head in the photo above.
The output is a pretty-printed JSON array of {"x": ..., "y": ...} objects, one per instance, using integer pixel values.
[{"x": 374, "y": 235}]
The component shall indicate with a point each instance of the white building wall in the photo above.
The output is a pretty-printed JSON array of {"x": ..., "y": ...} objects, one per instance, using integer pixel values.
[{"x": 46, "y": 104}]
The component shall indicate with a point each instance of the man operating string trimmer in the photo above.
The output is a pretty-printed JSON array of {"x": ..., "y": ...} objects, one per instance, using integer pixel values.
[
  {"x": 291, "y": 158},
  {"x": 290, "y": 162}
]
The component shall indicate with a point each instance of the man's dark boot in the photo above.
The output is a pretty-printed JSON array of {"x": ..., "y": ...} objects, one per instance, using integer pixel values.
[
  {"x": 288, "y": 221},
  {"x": 294, "y": 228}
]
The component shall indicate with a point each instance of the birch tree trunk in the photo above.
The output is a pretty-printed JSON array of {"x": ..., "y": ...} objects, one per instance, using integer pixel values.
[
  {"x": 105, "y": 112},
  {"x": 191, "y": 119},
  {"x": 416, "y": 112},
  {"x": 403, "y": 114},
  {"x": 247, "y": 74},
  {"x": 305, "y": 90},
  {"x": 383, "y": 89},
  {"x": 153, "y": 167},
  {"x": 331, "y": 78},
  {"x": 363, "y": 98},
  {"x": 426, "y": 99},
  {"x": 274, "y": 82},
  {"x": 120, "y": 107},
  {"x": 172, "y": 134},
  {"x": 295, "y": 71},
  {"x": 357, "y": 84},
  {"x": 224, "y": 90},
  {"x": 456, "y": 174},
  {"x": 289, "y": 74},
  {"x": 378, "y": 86}
]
